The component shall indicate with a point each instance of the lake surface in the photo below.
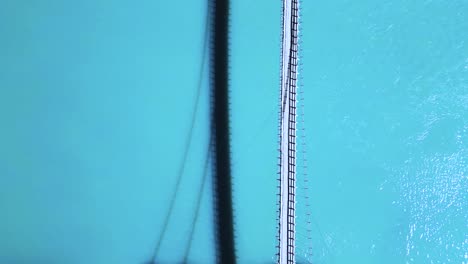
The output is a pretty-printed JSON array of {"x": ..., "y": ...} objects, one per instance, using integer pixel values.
[{"x": 96, "y": 101}]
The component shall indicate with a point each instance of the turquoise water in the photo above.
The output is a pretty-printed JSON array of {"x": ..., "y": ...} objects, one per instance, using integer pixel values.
[{"x": 95, "y": 105}]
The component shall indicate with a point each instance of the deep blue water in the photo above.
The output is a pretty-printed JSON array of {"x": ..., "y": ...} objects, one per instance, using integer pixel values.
[{"x": 95, "y": 105}]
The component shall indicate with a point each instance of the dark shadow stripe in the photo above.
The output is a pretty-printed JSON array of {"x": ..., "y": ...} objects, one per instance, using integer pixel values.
[{"x": 220, "y": 129}]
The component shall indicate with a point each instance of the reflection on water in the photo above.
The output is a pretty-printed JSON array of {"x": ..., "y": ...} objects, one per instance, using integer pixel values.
[{"x": 96, "y": 99}]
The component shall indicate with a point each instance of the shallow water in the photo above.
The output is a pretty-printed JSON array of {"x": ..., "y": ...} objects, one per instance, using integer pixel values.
[{"x": 95, "y": 104}]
